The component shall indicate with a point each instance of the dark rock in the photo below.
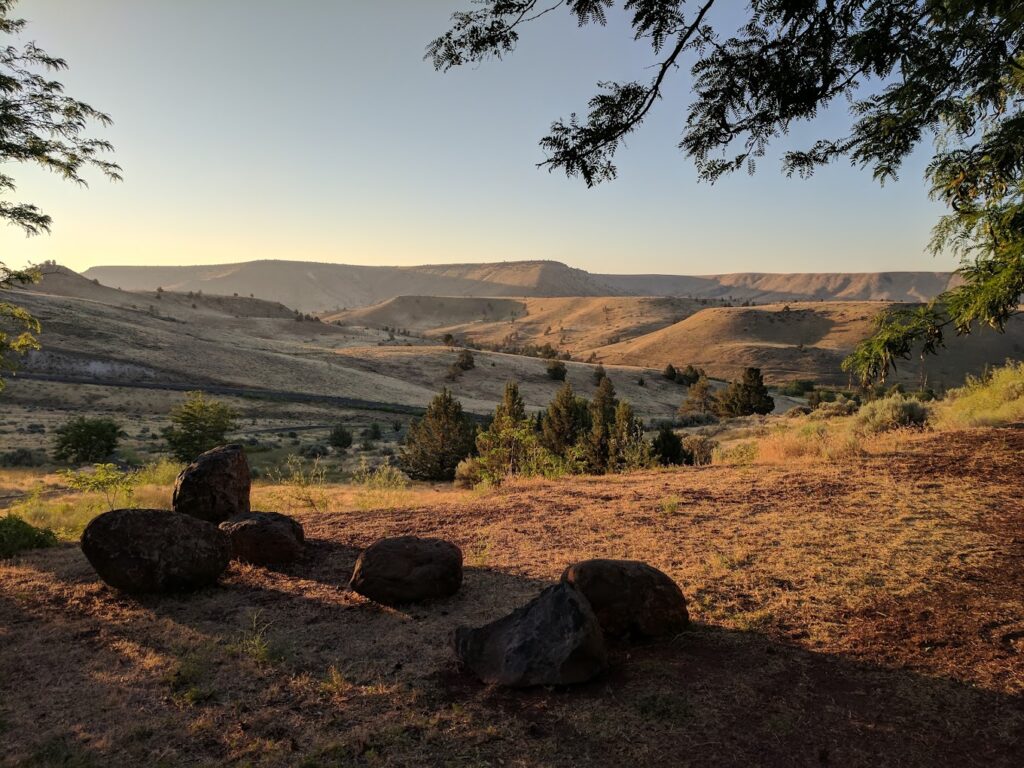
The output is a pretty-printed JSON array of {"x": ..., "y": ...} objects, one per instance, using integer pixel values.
[
  {"x": 215, "y": 486},
  {"x": 555, "y": 639},
  {"x": 407, "y": 569},
  {"x": 264, "y": 538},
  {"x": 154, "y": 550},
  {"x": 630, "y": 598}
]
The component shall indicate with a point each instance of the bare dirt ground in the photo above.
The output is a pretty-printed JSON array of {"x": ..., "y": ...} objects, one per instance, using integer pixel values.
[{"x": 857, "y": 614}]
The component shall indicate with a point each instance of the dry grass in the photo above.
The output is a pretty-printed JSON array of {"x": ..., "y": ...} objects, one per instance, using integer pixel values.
[{"x": 864, "y": 611}]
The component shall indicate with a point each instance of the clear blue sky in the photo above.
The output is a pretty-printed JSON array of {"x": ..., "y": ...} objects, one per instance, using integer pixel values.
[{"x": 250, "y": 129}]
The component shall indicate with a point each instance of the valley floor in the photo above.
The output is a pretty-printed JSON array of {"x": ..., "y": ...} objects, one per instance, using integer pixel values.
[{"x": 862, "y": 613}]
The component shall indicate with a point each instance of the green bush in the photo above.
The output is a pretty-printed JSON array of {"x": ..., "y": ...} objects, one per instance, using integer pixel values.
[
  {"x": 892, "y": 412},
  {"x": 16, "y": 536},
  {"x": 197, "y": 425},
  {"x": 797, "y": 388},
  {"x": 82, "y": 440}
]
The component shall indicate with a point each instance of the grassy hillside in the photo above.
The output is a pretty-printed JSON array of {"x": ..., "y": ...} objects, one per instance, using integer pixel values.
[
  {"x": 570, "y": 324},
  {"x": 801, "y": 340}
]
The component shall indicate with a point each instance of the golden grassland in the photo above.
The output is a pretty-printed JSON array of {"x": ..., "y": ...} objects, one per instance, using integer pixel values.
[{"x": 851, "y": 606}]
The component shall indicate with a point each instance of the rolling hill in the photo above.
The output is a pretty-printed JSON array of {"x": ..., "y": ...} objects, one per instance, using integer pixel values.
[
  {"x": 323, "y": 287},
  {"x": 569, "y": 324},
  {"x": 801, "y": 341}
]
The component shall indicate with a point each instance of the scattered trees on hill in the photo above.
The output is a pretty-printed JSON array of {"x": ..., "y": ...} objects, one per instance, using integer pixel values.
[
  {"x": 437, "y": 442},
  {"x": 83, "y": 440},
  {"x": 197, "y": 425}
]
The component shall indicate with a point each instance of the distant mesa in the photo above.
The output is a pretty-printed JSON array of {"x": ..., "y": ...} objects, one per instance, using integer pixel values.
[{"x": 323, "y": 287}]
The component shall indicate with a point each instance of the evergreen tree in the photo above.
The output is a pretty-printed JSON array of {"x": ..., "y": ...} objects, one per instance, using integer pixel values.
[
  {"x": 700, "y": 399},
  {"x": 669, "y": 372},
  {"x": 599, "y": 374},
  {"x": 627, "y": 448},
  {"x": 668, "y": 447},
  {"x": 689, "y": 375},
  {"x": 602, "y": 422},
  {"x": 567, "y": 419},
  {"x": 511, "y": 445},
  {"x": 437, "y": 443},
  {"x": 747, "y": 396}
]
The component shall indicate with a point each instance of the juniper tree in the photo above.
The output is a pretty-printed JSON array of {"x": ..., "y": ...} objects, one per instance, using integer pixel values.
[
  {"x": 700, "y": 398},
  {"x": 668, "y": 447},
  {"x": 911, "y": 71},
  {"x": 436, "y": 443},
  {"x": 39, "y": 125},
  {"x": 744, "y": 397},
  {"x": 197, "y": 425},
  {"x": 602, "y": 419},
  {"x": 567, "y": 419},
  {"x": 627, "y": 448},
  {"x": 510, "y": 445}
]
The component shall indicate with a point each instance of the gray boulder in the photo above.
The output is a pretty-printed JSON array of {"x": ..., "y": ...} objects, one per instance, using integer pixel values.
[
  {"x": 408, "y": 569},
  {"x": 630, "y": 598},
  {"x": 154, "y": 550},
  {"x": 264, "y": 538},
  {"x": 215, "y": 486},
  {"x": 555, "y": 639}
]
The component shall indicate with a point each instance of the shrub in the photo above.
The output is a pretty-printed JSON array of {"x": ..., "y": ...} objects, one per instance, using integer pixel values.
[
  {"x": 383, "y": 477},
  {"x": 197, "y": 425},
  {"x": 105, "y": 479},
  {"x": 742, "y": 453},
  {"x": 467, "y": 473},
  {"x": 16, "y": 536},
  {"x": 340, "y": 438},
  {"x": 699, "y": 450},
  {"x": 995, "y": 399},
  {"x": 437, "y": 443},
  {"x": 891, "y": 412},
  {"x": 840, "y": 406},
  {"x": 21, "y": 457},
  {"x": 556, "y": 370},
  {"x": 667, "y": 447},
  {"x": 372, "y": 432},
  {"x": 685, "y": 419},
  {"x": 82, "y": 440},
  {"x": 464, "y": 360},
  {"x": 797, "y": 388}
]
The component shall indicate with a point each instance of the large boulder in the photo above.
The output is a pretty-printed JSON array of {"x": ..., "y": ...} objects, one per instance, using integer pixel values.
[
  {"x": 630, "y": 598},
  {"x": 555, "y": 639},
  {"x": 154, "y": 550},
  {"x": 264, "y": 538},
  {"x": 215, "y": 486},
  {"x": 408, "y": 569}
]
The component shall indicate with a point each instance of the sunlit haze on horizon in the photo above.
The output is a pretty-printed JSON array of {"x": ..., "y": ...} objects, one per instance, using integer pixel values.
[{"x": 258, "y": 130}]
